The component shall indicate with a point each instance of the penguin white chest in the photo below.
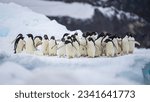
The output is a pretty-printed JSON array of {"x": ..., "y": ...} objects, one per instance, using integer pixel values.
[
  {"x": 45, "y": 47},
  {"x": 110, "y": 49},
  {"x": 91, "y": 49},
  {"x": 125, "y": 45},
  {"x": 52, "y": 48},
  {"x": 61, "y": 51},
  {"x": 69, "y": 51},
  {"x": 20, "y": 46},
  {"x": 29, "y": 46}
]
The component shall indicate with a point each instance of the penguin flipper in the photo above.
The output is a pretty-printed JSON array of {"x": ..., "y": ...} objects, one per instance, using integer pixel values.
[{"x": 137, "y": 43}]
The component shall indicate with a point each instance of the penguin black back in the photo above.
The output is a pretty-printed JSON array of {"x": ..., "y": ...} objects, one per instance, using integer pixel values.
[{"x": 17, "y": 41}]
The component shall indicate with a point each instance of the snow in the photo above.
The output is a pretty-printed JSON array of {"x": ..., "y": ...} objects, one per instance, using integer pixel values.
[
  {"x": 74, "y": 10},
  {"x": 26, "y": 21},
  {"x": 33, "y": 69}
]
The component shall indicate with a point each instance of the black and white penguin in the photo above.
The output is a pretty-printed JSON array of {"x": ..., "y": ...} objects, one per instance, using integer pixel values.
[
  {"x": 30, "y": 48},
  {"x": 132, "y": 42},
  {"x": 65, "y": 36},
  {"x": 83, "y": 45},
  {"x": 19, "y": 44},
  {"x": 76, "y": 44},
  {"x": 61, "y": 48},
  {"x": 37, "y": 41},
  {"x": 98, "y": 44},
  {"x": 125, "y": 44},
  {"x": 52, "y": 46},
  {"x": 45, "y": 45},
  {"x": 115, "y": 43},
  {"x": 69, "y": 49},
  {"x": 91, "y": 47},
  {"x": 109, "y": 51}
]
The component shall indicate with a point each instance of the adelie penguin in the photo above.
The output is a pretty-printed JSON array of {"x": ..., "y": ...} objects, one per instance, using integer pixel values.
[
  {"x": 125, "y": 45},
  {"x": 19, "y": 44},
  {"x": 69, "y": 49},
  {"x": 30, "y": 48},
  {"x": 132, "y": 43},
  {"x": 91, "y": 47},
  {"x": 37, "y": 41},
  {"x": 115, "y": 43},
  {"x": 52, "y": 46},
  {"x": 83, "y": 45},
  {"x": 76, "y": 44},
  {"x": 61, "y": 48},
  {"x": 98, "y": 44},
  {"x": 109, "y": 51},
  {"x": 45, "y": 45}
]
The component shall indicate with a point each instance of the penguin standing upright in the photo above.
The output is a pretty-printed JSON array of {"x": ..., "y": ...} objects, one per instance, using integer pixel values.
[
  {"x": 19, "y": 44},
  {"x": 110, "y": 51},
  {"x": 115, "y": 42},
  {"x": 45, "y": 45},
  {"x": 37, "y": 41},
  {"x": 76, "y": 44},
  {"x": 119, "y": 40},
  {"x": 83, "y": 45},
  {"x": 132, "y": 43},
  {"x": 30, "y": 48},
  {"x": 98, "y": 44},
  {"x": 125, "y": 45},
  {"x": 69, "y": 49},
  {"x": 61, "y": 48},
  {"x": 52, "y": 46},
  {"x": 91, "y": 47}
]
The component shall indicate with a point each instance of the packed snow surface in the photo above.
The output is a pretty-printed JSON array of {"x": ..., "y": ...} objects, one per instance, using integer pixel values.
[{"x": 33, "y": 69}]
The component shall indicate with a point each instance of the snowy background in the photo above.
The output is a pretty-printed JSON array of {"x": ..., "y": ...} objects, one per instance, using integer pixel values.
[{"x": 33, "y": 69}]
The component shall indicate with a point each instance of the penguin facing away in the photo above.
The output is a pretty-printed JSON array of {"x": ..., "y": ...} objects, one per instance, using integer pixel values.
[
  {"x": 19, "y": 44},
  {"x": 52, "y": 46},
  {"x": 30, "y": 44},
  {"x": 37, "y": 41},
  {"x": 45, "y": 45}
]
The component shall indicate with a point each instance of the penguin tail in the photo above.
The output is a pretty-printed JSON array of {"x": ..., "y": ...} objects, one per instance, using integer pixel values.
[{"x": 137, "y": 43}]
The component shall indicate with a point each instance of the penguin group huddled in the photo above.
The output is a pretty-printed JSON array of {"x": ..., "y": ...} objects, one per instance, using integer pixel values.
[{"x": 89, "y": 44}]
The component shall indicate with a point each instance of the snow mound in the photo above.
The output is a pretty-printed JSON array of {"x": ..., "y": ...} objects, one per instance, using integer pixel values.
[
  {"x": 30, "y": 69},
  {"x": 14, "y": 16}
]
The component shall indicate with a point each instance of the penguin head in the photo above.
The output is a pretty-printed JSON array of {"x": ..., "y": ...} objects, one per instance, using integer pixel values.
[
  {"x": 69, "y": 38},
  {"x": 84, "y": 35},
  {"x": 30, "y": 36},
  {"x": 19, "y": 35},
  {"x": 68, "y": 42},
  {"x": 46, "y": 37},
  {"x": 100, "y": 35},
  {"x": 76, "y": 34},
  {"x": 52, "y": 37},
  {"x": 63, "y": 39},
  {"x": 90, "y": 39},
  {"x": 38, "y": 37},
  {"x": 66, "y": 34},
  {"x": 108, "y": 40}
]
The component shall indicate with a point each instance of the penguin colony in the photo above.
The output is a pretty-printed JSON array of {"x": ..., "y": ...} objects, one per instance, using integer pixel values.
[{"x": 90, "y": 44}]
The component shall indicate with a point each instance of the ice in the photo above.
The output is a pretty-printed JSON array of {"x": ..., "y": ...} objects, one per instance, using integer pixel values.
[{"x": 33, "y": 69}]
